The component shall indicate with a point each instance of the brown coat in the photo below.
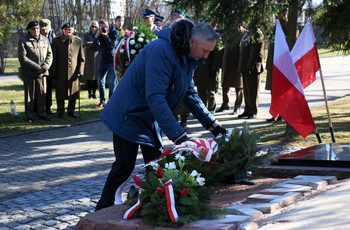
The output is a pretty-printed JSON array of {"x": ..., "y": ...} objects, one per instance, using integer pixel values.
[
  {"x": 230, "y": 76},
  {"x": 91, "y": 58},
  {"x": 33, "y": 55},
  {"x": 68, "y": 62}
]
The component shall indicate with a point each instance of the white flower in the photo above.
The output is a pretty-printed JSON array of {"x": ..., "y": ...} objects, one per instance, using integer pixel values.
[
  {"x": 140, "y": 39},
  {"x": 200, "y": 181},
  {"x": 121, "y": 51},
  {"x": 194, "y": 173},
  {"x": 190, "y": 144},
  {"x": 170, "y": 165},
  {"x": 153, "y": 39},
  {"x": 179, "y": 157},
  {"x": 155, "y": 165},
  {"x": 133, "y": 51},
  {"x": 132, "y": 42},
  {"x": 147, "y": 41},
  {"x": 132, "y": 35},
  {"x": 135, "y": 28},
  {"x": 142, "y": 35}
]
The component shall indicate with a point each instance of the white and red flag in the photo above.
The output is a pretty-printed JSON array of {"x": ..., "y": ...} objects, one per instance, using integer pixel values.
[
  {"x": 305, "y": 55},
  {"x": 287, "y": 95}
]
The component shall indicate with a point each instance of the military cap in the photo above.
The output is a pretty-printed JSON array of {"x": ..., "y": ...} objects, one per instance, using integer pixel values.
[
  {"x": 45, "y": 24},
  {"x": 158, "y": 19},
  {"x": 148, "y": 13},
  {"x": 66, "y": 25},
  {"x": 31, "y": 24}
]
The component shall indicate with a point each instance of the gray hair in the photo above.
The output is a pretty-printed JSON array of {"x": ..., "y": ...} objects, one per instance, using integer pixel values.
[{"x": 203, "y": 32}]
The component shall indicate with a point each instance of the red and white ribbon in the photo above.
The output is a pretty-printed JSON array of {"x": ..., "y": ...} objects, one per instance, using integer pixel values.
[
  {"x": 170, "y": 201},
  {"x": 203, "y": 149},
  {"x": 128, "y": 214}
]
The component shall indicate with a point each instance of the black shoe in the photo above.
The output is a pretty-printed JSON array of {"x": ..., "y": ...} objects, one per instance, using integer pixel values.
[
  {"x": 244, "y": 114},
  {"x": 93, "y": 96},
  {"x": 222, "y": 108},
  {"x": 46, "y": 118},
  {"x": 73, "y": 115},
  {"x": 50, "y": 112},
  {"x": 251, "y": 116},
  {"x": 270, "y": 119}
]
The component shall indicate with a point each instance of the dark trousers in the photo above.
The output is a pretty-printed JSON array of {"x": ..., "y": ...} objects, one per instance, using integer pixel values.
[
  {"x": 70, "y": 109},
  {"x": 208, "y": 97},
  {"x": 34, "y": 96},
  {"x": 48, "y": 93},
  {"x": 226, "y": 96},
  {"x": 92, "y": 87},
  {"x": 251, "y": 87},
  {"x": 125, "y": 158}
]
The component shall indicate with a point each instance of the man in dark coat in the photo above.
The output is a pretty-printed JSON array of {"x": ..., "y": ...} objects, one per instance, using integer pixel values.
[
  {"x": 67, "y": 68},
  {"x": 251, "y": 66}
]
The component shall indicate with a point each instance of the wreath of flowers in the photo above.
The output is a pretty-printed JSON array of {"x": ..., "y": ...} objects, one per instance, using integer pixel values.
[
  {"x": 129, "y": 44},
  {"x": 176, "y": 188}
]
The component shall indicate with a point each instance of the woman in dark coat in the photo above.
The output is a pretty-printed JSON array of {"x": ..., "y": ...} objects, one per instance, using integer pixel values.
[{"x": 91, "y": 60}]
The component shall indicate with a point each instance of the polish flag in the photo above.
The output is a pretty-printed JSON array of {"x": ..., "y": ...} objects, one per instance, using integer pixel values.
[
  {"x": 305, "y": 55},
  {"x": 287, "y": 95}
]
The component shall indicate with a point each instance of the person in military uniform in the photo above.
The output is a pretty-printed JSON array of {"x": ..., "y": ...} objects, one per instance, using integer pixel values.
[
  {"x": 206, "y": 78},
  {"x": 149, "y": 17},
  {"x": 35, "y": 58},
  {"x": 158, "y": 21},
  {"x": 67, "y": 68},
  {"x": 230, "y": 75},
  {"x": 251, "y": 66}
]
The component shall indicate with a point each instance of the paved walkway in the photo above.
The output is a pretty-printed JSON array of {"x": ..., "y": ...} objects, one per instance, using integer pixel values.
[{"x": 49, "y": 179}]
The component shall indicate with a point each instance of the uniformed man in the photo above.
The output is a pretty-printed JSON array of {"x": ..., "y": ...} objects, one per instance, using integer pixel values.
[
  {"x": 67, "y": 68},
  {"x": 35, "y": 57},
  {"x": 149, "y": 17},
  {"x": 251, "y": 66}
]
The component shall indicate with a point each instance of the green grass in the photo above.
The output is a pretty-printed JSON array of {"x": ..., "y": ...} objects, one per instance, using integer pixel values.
[
  {"x": 11, "y": 124},
  {"x": 11, "y": 65}
]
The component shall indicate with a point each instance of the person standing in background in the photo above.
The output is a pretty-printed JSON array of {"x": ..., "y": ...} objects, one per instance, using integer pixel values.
[
  {"x": 230, "y": 75},
  {"x": 206, "y": 79},
  {"x": 148, "y": 18},
  {"x": 49, "y": 33},
  {"x": 119, "y": 25},
  {"x": 67, "y": 68},
  {"x": 91, "y": 59},
  {"x": 35, "y": 58},
  {"x": 251, "y": 66},
  {"x": 105, "y": 38}
]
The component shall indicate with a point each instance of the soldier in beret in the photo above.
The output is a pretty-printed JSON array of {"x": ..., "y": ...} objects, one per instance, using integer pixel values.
[
  {"x": 67, "y": 68},
  {"x": 35, "y": 57}
]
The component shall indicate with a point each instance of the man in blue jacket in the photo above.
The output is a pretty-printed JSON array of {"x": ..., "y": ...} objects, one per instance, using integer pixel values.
[{"x": 142, "y": 104}]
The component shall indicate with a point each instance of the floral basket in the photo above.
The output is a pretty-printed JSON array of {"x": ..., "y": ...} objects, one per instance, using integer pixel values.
[
  {"x": 129, "y": 44},
  {"x": 176, "y": 188}
]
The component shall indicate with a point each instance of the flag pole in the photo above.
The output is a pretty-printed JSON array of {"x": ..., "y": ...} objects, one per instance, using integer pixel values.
[
  {"x": 318, "y": 136},
  {"x": 326, "y": 102}
]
